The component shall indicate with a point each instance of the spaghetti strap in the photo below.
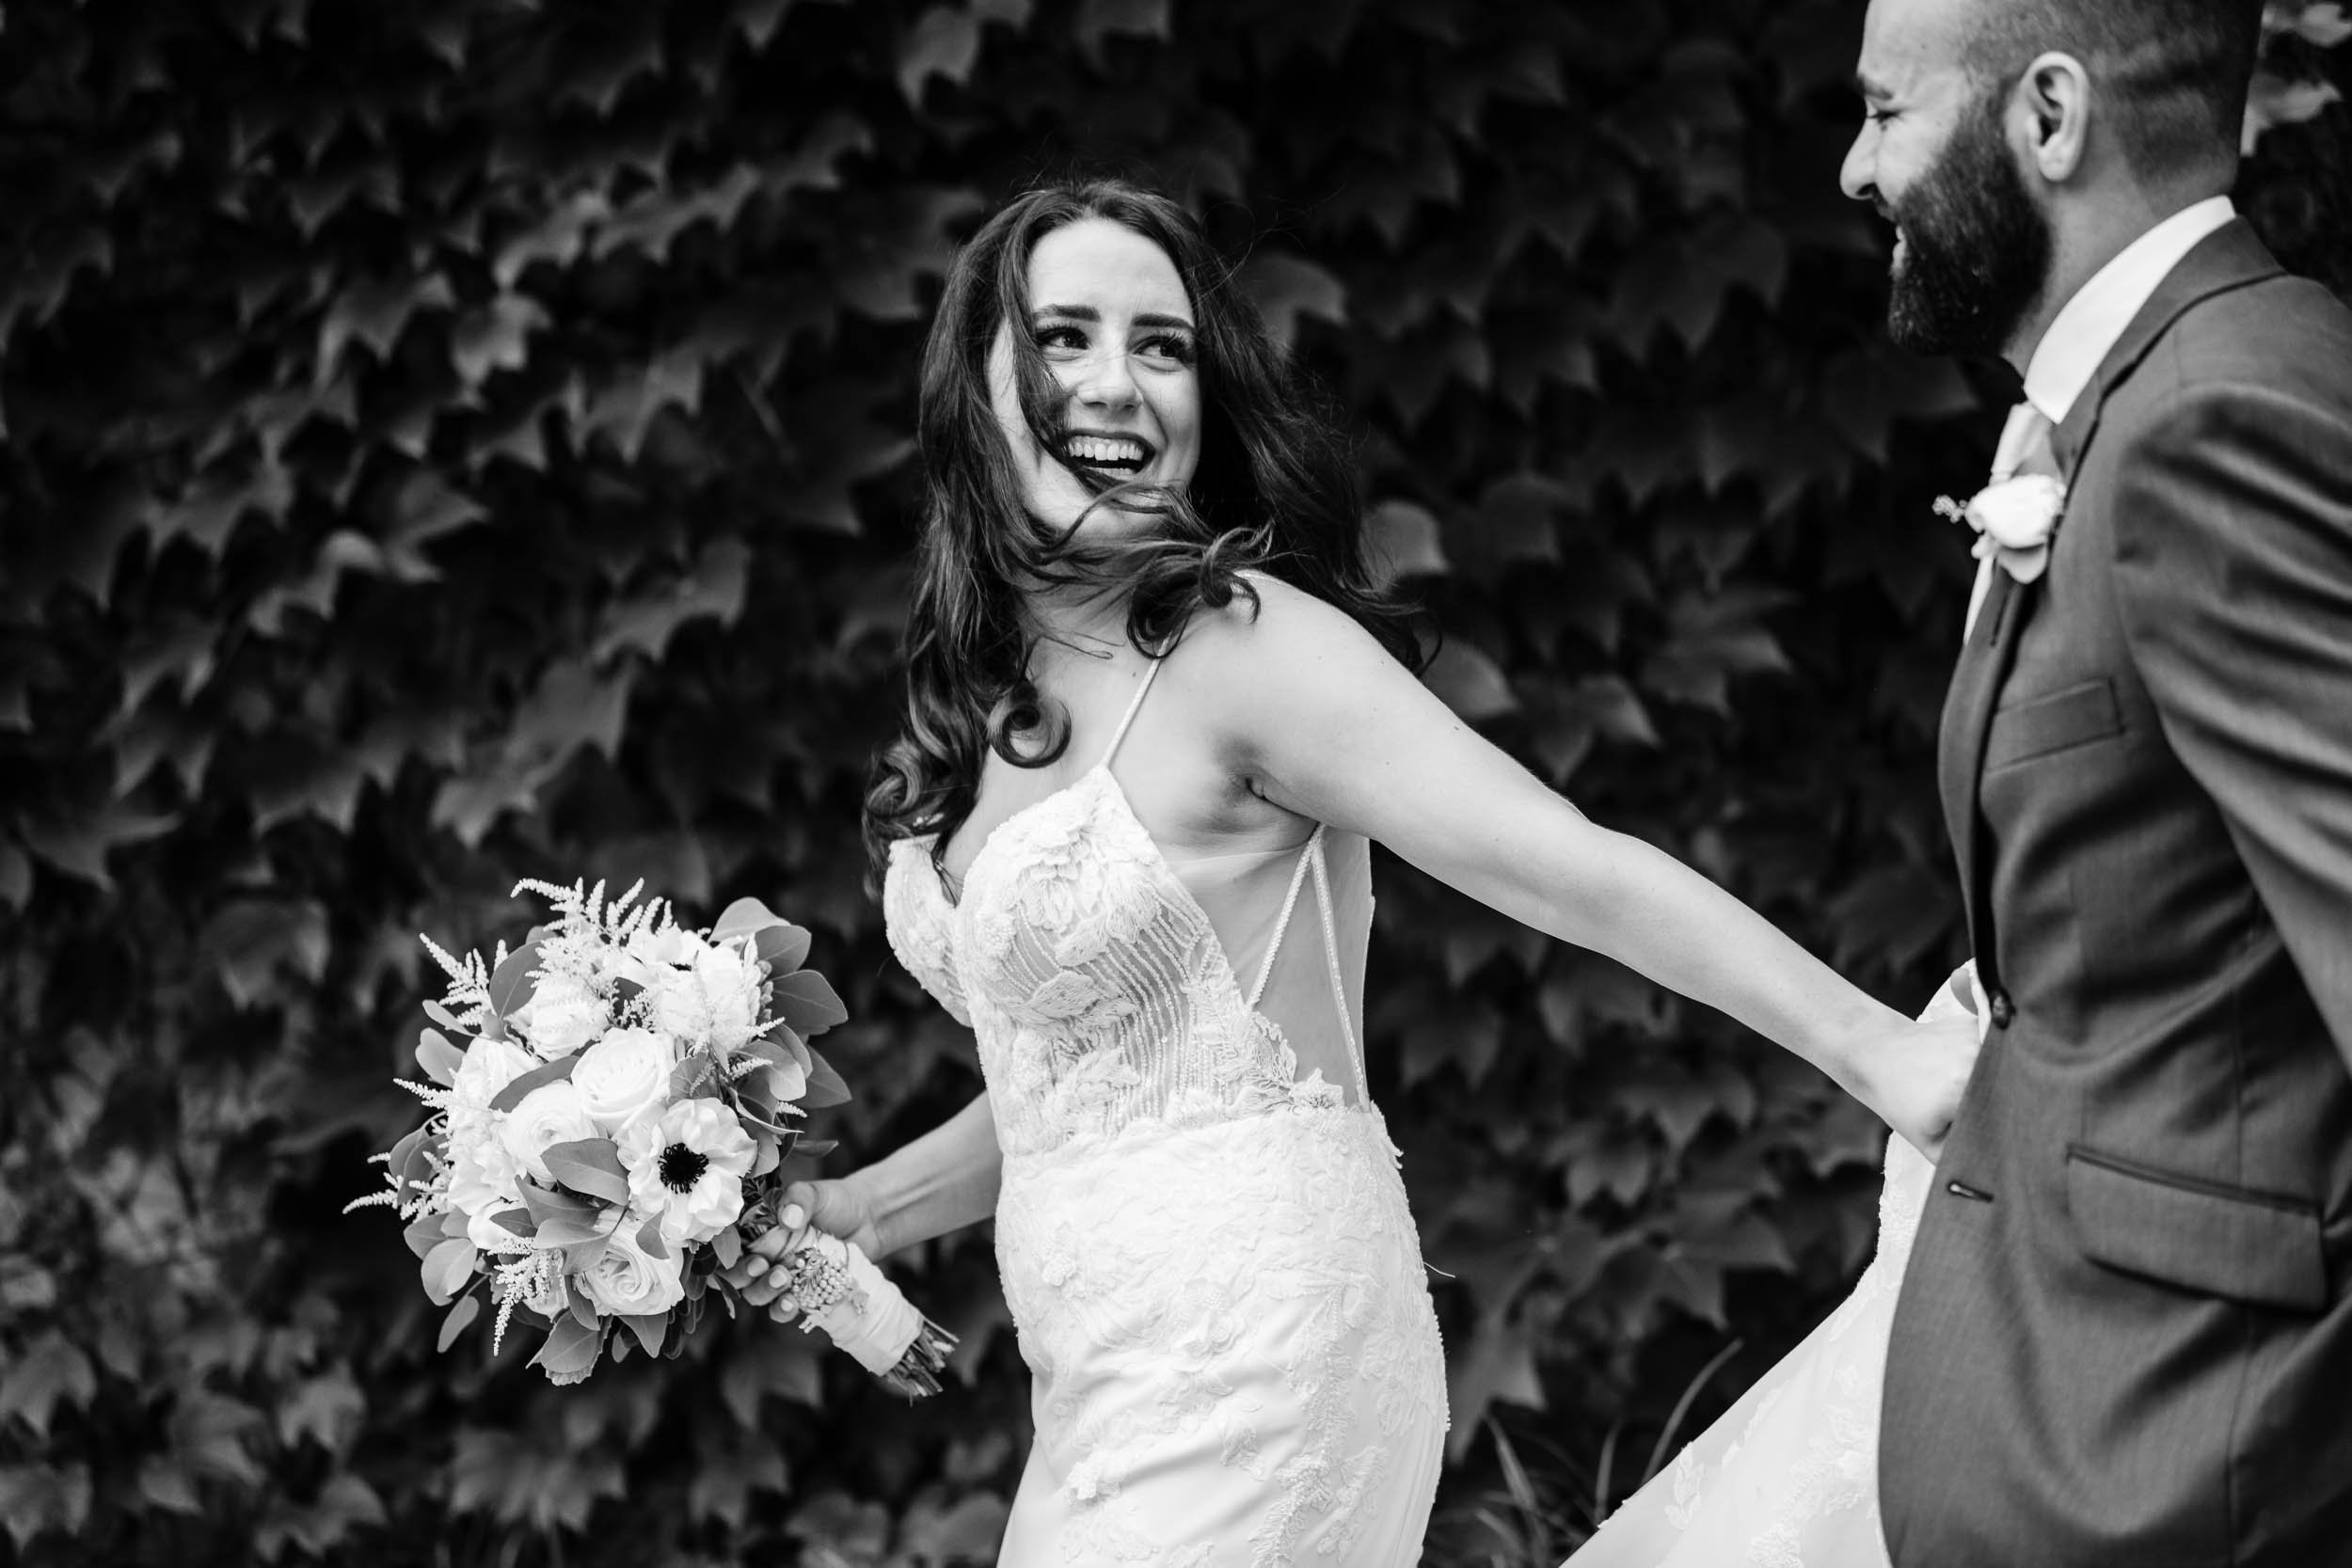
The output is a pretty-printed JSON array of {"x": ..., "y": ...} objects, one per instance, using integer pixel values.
[
  {"x": 1282, "y": 922},
  {"x": 1311, "y": 863},
  {"x": 1331, "y": 963},
  {"x": 1134, "y": 705}
]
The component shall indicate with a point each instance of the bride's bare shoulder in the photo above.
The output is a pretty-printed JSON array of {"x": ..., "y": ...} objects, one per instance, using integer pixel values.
[{"x": 1273, "y": 620}]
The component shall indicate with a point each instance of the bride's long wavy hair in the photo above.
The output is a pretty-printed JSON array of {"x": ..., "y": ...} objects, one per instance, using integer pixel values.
[{"x": 1274, "y": 491}]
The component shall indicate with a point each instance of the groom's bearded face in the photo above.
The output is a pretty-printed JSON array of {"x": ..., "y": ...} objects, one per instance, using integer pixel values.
[{"x": 1975, "y": 250}]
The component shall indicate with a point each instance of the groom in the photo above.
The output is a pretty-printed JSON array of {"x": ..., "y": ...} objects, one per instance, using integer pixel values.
[{"x": 2125, "y": 1337}]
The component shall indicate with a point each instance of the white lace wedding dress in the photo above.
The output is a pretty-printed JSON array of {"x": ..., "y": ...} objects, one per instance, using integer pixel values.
[
  {"x": 1788, "y": 1477},
  {"x": 1214, "y": 1277}
]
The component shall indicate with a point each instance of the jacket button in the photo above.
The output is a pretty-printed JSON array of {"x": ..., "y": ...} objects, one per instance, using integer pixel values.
[{"x": 2003, "y": 1010}]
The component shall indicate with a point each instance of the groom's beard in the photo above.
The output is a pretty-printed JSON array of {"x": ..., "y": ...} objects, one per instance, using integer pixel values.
[{"x": 1977, "y": 250}]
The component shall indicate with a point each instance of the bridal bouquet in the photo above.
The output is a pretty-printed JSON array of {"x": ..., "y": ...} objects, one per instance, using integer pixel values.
[{"x": 607, "y": 1138}]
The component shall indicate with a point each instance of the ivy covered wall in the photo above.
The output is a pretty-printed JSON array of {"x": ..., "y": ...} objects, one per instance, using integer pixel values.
[{"x": 468, "y": 439}]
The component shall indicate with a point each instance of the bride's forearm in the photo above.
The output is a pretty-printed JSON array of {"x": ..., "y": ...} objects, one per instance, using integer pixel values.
[
  {"x": 1647, "y": 908},
  {"x": 942, "y": 1181}
]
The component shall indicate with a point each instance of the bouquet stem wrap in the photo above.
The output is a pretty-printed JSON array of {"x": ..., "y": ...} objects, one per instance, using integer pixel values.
[{"x": 839, "y": 1288}]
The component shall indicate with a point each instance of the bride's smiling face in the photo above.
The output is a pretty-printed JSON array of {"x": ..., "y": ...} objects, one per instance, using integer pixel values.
[{"x": 1108, "y": 314}]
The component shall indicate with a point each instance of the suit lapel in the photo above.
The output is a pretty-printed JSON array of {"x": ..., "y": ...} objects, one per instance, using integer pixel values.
[
  {"x": 2229, "y": 257},
  {"x": 1967, "y": 721}
]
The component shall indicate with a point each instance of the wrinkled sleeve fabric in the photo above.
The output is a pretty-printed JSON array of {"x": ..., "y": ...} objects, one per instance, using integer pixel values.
[{"x": 2233, "y": 570}]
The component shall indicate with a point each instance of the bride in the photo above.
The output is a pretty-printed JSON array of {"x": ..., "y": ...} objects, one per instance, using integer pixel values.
[{"x": 1156, "y": 712}]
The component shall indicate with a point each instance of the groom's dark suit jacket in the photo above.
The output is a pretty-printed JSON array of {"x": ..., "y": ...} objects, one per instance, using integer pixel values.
[{"x": 2125, "y": 1335}]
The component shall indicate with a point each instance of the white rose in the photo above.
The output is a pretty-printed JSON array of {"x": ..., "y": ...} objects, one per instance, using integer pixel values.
[
  {"x": 624, "y": 1075},
  {"x": 2018, "y": 514},
  {"x": 672, "y": 947},
  {"x": 674, "y": 1003},
  {"x": 482, "y": 1171},
  {"x": 483, "y": 1230},
  {"x": 563, "y": 1016},
  {"x": 489, "y": 1067},
  {"x": 731, "y": 985},
  {"x": 551, "y": 1113},
  {"x": 631, "y": 1282}
]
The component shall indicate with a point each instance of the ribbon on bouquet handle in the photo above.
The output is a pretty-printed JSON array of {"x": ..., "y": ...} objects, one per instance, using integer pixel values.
[{"x": 837, "y": 1289}]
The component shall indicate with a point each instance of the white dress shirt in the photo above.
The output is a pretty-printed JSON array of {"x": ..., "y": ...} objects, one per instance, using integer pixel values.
[{"x": 2089, "y": 325}]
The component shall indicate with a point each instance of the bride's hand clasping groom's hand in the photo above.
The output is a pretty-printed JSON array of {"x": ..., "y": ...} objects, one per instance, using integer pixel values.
[
  {"x": 1914, "y": 1074},
  {"x": 837, "y": 1208}
]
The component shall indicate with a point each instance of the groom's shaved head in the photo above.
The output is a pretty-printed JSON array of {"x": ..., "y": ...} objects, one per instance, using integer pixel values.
[{"x": 2172, "y": 73}]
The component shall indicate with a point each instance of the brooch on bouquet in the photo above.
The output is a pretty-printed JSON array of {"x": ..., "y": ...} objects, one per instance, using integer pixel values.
[{"x": 608, "y": 1139}]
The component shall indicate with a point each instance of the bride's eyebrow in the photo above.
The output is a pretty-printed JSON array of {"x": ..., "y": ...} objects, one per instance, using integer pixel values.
[{"x": 1088, "y": 313}]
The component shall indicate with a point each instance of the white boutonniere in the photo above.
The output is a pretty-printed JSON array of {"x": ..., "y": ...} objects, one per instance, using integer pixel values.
[{"x": 2014, "y": 519}]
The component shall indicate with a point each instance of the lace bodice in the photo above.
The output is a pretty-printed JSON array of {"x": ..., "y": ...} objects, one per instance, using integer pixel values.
[
  {"x": 1096, "y": 982},
  {"x": 1209, "y": 1259}
]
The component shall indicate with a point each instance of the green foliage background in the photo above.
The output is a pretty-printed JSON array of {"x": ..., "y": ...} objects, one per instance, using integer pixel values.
[{"x": 466, "y": 439}]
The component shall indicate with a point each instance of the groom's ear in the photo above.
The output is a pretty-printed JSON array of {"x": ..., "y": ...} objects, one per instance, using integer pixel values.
[{"x": 2055, "y": 94}]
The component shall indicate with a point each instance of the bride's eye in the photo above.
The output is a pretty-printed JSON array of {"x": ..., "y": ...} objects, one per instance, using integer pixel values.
[
  {"x": 1167, "y": 347},
  {"x": 1064, "y": 339}
]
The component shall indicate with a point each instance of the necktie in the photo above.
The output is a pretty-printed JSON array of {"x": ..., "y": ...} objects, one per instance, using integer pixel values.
[{"x": 2023, "y": 448}]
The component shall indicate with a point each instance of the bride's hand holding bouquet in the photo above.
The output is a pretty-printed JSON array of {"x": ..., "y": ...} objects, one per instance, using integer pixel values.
[{"x": 607, "y": 1142}]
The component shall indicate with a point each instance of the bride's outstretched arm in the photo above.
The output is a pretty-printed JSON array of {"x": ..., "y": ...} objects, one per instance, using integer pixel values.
[{"x": 1321, "y": 721}]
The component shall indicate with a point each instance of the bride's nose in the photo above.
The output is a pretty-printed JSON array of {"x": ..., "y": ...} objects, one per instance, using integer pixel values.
[{"x": 1107, "y": 382}]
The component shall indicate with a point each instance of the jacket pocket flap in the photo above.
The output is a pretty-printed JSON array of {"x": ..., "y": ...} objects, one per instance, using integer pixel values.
[
  {"x": 2246, "y": 1246},
  {"x": 2073, "y": 716}
]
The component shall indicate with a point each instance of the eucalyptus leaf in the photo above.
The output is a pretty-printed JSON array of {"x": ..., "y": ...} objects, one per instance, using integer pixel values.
[
  {"x": 807, "y": 1002},
  {"x": 742, "y": 918},
  {"x": 447, "y": 1268},
  {"x": 649, "y": 1328},
  {"x": 825, "y": 1086},
  {"x": 556, "y": 1072},
  {"x": 439, "y": 1057},
  {"x": 570, "y": 1349},
  {"x": 468, "y": 1308},
  {"x": 591, "y": 1167},
  {"x": 512, "y": 986},
  {"x": 649, "y": 1240}
]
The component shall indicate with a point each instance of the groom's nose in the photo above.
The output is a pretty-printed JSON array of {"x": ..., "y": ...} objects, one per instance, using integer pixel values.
[{"x": 1858, "y": 176}]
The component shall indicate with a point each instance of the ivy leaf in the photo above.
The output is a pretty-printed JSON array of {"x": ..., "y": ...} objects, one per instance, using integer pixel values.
[
  {"x": 344, "y": 1502},
  {"x": 944, "y": 42},
  {"x": 1401, "y": 541},
  {"x": 1500, "y": 1366},
  {"x": 79, "y": 845},
  {"x": 34, "y": 1497},
  {"x": 376, "y": 313},
  {"x": 1470, "y": 682},
  {"x": 1714, "y": 638},
  {"x": 712, "y": 591},
  {"x": 496, "y": 337},
  {"x": 327, "y": 1409},
  {"x": 727, "y": 1472},
  {"x": 50, "y": 1371},
  {"x": 1285, "y": 288},
  {"x": 250, "y": 944}
]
